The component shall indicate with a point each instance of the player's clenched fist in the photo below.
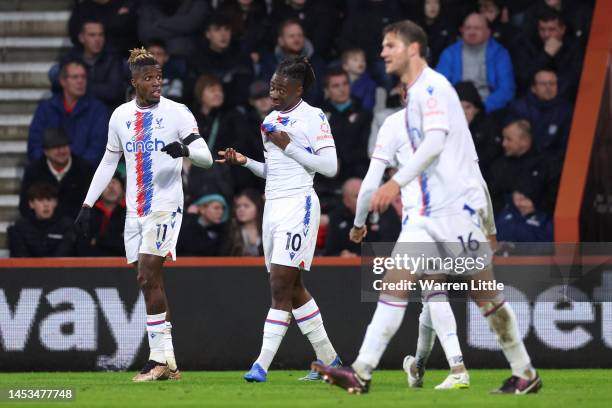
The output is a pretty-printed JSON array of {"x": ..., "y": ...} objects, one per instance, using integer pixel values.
[
  {"x": 176, "y": 150},
  {"x": 280, "y": 139},
  {"x": 231, "y": 156},
  {"x": 358, "y": 234}
]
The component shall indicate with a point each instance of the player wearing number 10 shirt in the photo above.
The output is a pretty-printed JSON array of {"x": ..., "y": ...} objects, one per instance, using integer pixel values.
[
  {"x": 297, "y": 144},
  {"x": 154, "y": 134}
]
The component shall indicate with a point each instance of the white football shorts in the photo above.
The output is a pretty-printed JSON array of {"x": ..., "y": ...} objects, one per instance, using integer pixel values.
[
  {"x": 289, "y": 231},
  {"x": 155, "y": 234}
]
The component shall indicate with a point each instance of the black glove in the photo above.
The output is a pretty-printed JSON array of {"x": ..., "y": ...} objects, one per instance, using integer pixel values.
[
  {"x": 81, "y": 224},
  {"x": 176, "y": 150}
]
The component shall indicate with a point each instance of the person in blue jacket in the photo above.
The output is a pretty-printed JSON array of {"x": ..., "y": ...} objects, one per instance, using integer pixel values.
[
  {"x": 83, "y": 117},
  {"x": 482, "y": 60},
  {"x": 521, "y": 221}
]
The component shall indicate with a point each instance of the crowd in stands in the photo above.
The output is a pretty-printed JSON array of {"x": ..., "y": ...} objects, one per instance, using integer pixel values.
[{"x": 515, "y": 65}]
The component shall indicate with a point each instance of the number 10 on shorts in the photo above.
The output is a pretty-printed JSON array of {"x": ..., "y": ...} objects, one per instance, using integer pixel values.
[{"x": 294, "y": 242}]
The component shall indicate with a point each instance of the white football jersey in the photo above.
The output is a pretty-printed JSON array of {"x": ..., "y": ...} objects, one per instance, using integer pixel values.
[
  {"x": 453, "y": 179},
  {"x": 308, "y": 128},
  {"x": 153, "y": 177}
]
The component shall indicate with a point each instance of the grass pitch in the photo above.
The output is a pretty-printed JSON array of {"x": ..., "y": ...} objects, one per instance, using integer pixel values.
[{"x": 562, "y": 388}]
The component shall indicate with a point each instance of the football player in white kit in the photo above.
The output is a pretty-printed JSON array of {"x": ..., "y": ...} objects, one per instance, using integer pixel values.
[
  {"x": 297, "y": 144},
  {"x": 438, "y": 152},
  {"x": 154, "y": 134}
]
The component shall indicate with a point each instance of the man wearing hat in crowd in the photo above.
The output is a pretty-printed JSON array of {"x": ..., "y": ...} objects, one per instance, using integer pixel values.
[
  {"x": 483, "y": 127},
  {"x": 69, "y": 174},
  {"x": 203, "y": 234}
]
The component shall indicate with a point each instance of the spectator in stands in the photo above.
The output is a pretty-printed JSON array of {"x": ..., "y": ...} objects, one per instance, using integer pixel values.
[
  {"x": 438, "y": 26},
  {"x": 481, "y": 60},
  {"x": 177, "y": 22},
  {"x": 83, "y": 117},
  {"x": 291, "y": 43},
  {"x": 385, "y": 228},
  {"x": 521, "y": 221},
  {"x": 69, "y": 174},
  {"x": 216, "y": 56},
  {"x": 350, "y": 125},
  {"x": 173, "y": 70},
  {"x": 107, "y": 222},
  {"x": 45, "y": 233},
  {"x": 498, "y": 17},
  {"x": 251, "y": 27},
  {"x": 363, "y": 86},
  {"x": 244, "y": 235},
  {"x": 553, "y": 48},
  {"x": 204, "y": 234},
  {"x": 117, "y": 16},
  {"x": 522, "y": 165},
  {"x": 484, "y": 129},
  {"x": 576, "y": 14},
  {"x": 362, "y": 28},
  {"x": 106, "y": 76},
  {"x": 318, "y": 18},
  {"x": 549, "y": 114},
  {"x": 220, "y": 126}
]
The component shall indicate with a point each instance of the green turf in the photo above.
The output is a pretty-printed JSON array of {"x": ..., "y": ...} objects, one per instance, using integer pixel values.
[{"x": 562, "y": 389}]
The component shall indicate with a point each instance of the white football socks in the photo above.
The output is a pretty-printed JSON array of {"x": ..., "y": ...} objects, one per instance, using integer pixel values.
[
  {"x": 155, "y": 333},
  {"x": 443, "y": 322},
  {"x": 309, "y": 320},
  {"x": 169, "y": 347},
  {"x": 385, "y": 322},
  {"x": 275, "y": 328},
  {"x": 504, "y": 324}
]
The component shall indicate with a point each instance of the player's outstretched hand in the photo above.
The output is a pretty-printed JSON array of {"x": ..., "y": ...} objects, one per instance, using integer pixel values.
[
  {"x": 231, "y": 156},
  {"x": 280, "y": 139},
  {"x": 383, "y": 197},
  {"x": 81, "y": 224},
  {"x": 358, "y": 234},
  {"x": 176, "y": 150}
]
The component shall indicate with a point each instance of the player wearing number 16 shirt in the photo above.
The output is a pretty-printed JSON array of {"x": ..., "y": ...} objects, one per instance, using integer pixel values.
[
  {"x": 297, "y": 144},
  {"x": 444, "y": 201},
  {"x": 154, "y": 134}
]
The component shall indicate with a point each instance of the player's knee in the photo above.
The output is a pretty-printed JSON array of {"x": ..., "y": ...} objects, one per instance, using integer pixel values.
[{"x": 281, "y": 290}]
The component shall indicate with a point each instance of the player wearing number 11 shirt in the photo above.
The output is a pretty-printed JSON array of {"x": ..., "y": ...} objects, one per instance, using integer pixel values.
[{"x": 154, "y": 134}]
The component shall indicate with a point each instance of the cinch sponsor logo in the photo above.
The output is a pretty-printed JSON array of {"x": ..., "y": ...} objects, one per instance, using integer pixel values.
[{"x": 141, "y": 146}]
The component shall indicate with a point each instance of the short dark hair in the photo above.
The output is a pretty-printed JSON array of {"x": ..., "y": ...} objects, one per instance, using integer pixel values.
[
  {"x": 91, "y": 20},
  {"x": 219, "y": 20},
  {"x": 40, "y": 191},
  {"x": 73, "y": 61},
  {"x": 288, "y": 22},
  {"x": 203, "y": 82},
  {"x": 157, "y": 42},
  {"x": 333, "y": 72},
  {"x": 410, "y": 33},
  {"x": 297, "y": 69},
  {"x": 544, "y": 69},
  {"x": 349, "y": 52},
  {"x": 549, "y": 14}
]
